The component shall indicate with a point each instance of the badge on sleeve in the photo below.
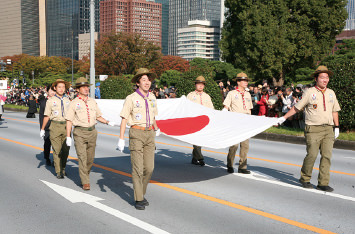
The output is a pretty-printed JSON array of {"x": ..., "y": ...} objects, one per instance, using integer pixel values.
[
  {"x": 153, "y": 103},
  {"x": 315, "y": 106},
  {"x": 194, "y": 98},
  {"x": 314, "y": 96},
  {"x": 138, "y": 116},
  {"x": 137, "y": 103},
  {"x": 78, "y": 107},
  {"x": 54, "y": 104},
  {"x": 236, "y": 96}
]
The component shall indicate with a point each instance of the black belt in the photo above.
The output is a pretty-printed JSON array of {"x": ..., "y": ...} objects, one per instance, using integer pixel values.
[
  {"x": 59, "y": 122},
  {"x": 86, "y": 129}
]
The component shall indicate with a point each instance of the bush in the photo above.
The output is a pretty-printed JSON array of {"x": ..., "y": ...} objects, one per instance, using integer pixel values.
[
  {"x": 186, "y": 84},
  {"x": 116, "y": 87},
  {"x": 168, "y": 78},
  {"x": 342, "y": 82}
]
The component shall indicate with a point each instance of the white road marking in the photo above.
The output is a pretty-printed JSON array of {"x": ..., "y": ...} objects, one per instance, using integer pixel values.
[
  {"x": 75, "y": 196},
  {"x": 259, "y": 177},
  {"x": 350, "y": 158},
  {"x": 164, "y": 155}
]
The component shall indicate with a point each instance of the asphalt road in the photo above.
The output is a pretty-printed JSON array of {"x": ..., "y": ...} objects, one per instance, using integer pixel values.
[{"x": 184, "y": 198}]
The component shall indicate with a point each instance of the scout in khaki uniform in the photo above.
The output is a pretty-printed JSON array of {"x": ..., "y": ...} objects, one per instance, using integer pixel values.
[
  {"x": 202, "y": 98},
  {"x": 139, "y": 111},
  {"x": 56, "y": 108},
  {"x": 82, "y": 114},
  {"x": 322, "y": 127},
  {"x": 239, "y": 101}
]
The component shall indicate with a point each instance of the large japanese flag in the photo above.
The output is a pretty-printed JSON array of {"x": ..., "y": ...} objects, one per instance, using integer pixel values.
[{"x": 195, "y": 124}]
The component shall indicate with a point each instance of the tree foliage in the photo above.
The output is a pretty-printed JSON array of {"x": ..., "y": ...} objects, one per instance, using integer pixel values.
[
  {"x": 222, "y": 71},
  {"x": 169, "y": 78},
  {"x": 186, "y": 84},
  {"x": 123, "y": 53},
  {"x": 343, "y": 84},
  {"x": 116, "y": 87},
  {"x": 271, "y": 39},
  {"x": 170, "y": 62}
]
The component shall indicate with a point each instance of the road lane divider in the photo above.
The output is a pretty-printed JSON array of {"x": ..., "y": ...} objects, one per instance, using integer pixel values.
[{"x": 203, "y": 196}]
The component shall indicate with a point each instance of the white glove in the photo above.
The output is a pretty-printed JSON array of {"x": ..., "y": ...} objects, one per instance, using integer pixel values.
[
  {"x": 336, "y": 133},
  {"x": 120, "y": 145},
  {"x": 112, "y": 123},
  {"x": 224, "y": 109},
  {"x": 42, "y": 133},
  {"x": 280, "y": 120},
  {"x": 69, "y": 141},
  {"x": 157, "y": 132}
]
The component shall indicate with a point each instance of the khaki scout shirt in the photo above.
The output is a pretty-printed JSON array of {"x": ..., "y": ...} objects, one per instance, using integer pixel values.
[
  {"x": 234, "y": 101},
  {"x": 54, "y": 108},
  {"x": 312, "y": 102},
  {"x": 134, "y": 110},
  {"x": 80, "y": 116},
  {"x": 201, "y": 98}
]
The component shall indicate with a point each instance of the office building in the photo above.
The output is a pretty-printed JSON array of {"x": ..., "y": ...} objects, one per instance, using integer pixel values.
[
  {"x": 66, "y": 19},
  {"x": 133, "y": 16},
  {"x": 199, "y": 40},
  {"x": 182, "y": 11},
  {"x": 164, "y": 25},
  {"x": 350, "y": 22},
  {"x": 84, "y": 44},
  {"x": 19, "y": 28}
]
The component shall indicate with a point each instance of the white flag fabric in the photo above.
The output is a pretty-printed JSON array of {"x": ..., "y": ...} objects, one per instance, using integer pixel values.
[{"x": 195, "y": 124}]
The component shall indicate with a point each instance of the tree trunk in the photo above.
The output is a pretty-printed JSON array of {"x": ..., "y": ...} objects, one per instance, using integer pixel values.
[{"x": 278, "y": 82}]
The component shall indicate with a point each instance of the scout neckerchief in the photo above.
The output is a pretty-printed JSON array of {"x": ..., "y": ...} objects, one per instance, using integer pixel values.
[
  {"x": 87, "y": 106},
  {"x": 242, "y": 93},
  {"x": 61, "y": 104},
  {"x": 322, "y": 91},
  {"x": 146, "y": 107},
  {"x": 200, "y": 93}
]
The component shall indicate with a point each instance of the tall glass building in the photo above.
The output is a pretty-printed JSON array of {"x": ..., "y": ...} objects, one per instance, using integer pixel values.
[
  {"x": 165, "y": 25},
  {"x": 66, "y": 19},
  {"x": 182, "y": 11},
  {"x": 350, "y": 22}
]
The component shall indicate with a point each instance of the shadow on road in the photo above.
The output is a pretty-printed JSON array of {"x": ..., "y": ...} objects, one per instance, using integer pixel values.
[{"x": 281, "y": 176}]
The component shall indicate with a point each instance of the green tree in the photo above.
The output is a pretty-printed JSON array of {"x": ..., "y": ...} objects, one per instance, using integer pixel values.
[
  {"x": 345, "y": 52},
  {"x": 116, "y": 87},
  {"x": 123, "y": 53},
  {"x": 169, "y": 78},
  {"x": 270, "y": 39},
  {"x": 343, "y": 84},
  {"x": 186, "y": 84}
]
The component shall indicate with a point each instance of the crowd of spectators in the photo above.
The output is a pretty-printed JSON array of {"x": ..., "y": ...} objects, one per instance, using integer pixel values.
[{"x": 273, "y": 101}]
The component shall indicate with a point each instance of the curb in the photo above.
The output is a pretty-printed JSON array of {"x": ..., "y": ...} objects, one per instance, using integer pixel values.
[
  {"x": 338, "y": 144},
  {"x": 14, "y": 109}
]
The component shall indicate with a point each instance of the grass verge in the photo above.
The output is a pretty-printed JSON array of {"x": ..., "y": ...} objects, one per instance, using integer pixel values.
[{"x": 348, "y": 136}]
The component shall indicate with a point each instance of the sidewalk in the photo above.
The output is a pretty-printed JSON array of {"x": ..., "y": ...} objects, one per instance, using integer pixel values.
[{"x": 338, "y": 144}]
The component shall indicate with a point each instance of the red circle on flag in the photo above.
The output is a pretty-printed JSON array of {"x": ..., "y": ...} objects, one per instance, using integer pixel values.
[{"x": 183, "y": 126}]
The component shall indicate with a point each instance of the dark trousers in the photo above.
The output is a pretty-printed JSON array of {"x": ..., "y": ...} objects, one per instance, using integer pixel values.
[{"x": 47, "y": 148}]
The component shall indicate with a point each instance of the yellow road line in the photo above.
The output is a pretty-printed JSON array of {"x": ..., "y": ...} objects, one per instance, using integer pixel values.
[
  {"x": 216, "y": 152},
  {"x": 206, "y": 197}
]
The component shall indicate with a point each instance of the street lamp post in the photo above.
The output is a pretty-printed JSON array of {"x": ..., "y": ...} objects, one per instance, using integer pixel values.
[{"x": 72, "y": 57}]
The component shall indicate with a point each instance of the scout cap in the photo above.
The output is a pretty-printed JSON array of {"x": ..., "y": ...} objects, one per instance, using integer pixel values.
[
  {"x": 241, "y": 76},
  {"x": 322, "y": 69},
  {"x": 67, "y": 85},
  {"x": 141, "y": 72},
  {"x": 200, "y": 79},
  {"x": 81, "y": 81}
]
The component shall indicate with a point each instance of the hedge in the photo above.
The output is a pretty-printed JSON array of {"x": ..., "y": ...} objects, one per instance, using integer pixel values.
[
  {"x": 343, "y": 84},
  {"x": 116, "y": 87}
]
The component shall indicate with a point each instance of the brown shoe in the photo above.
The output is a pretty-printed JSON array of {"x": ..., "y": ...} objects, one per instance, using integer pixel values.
[{"x": 86, "y": 186}]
